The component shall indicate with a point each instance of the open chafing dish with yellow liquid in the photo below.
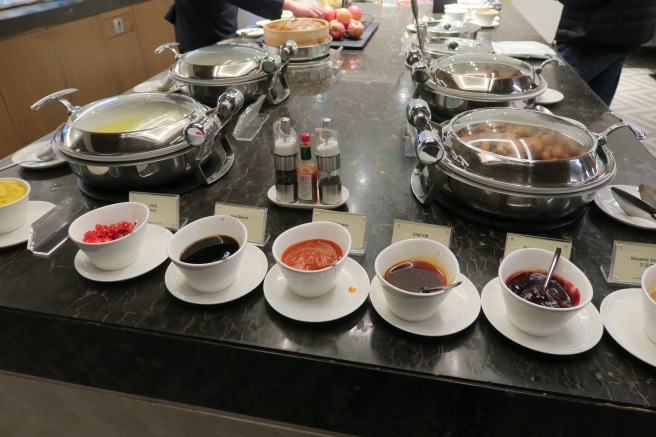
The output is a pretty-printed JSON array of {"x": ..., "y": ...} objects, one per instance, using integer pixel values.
[{"x": 141, "y": 140}]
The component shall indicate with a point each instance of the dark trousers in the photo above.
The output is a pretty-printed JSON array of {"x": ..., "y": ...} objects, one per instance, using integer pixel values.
[{"x": 599, "y": 69}]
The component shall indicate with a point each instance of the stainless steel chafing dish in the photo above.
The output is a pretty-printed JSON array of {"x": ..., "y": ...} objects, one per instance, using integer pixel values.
[
  {"x": 209, "y": 71},
  {"x": 511, "y": 164},
  {"x": 142, "y": 140}
]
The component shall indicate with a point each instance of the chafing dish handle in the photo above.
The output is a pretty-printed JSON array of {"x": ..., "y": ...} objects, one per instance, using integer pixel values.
[{"x": 222, "y": 170}]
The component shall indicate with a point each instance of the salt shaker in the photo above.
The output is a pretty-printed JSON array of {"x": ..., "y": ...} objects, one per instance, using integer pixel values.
[
  {"x": 328, "y": 161},
  {"x": 285, "y": 152}
]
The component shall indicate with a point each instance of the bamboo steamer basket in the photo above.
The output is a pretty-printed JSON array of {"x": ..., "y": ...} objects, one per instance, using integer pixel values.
[{"x": 304, "y": 31}]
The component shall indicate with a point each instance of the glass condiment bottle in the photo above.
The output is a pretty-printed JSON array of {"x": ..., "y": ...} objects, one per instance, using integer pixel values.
[
  {"x": 284, "y": 154},
  {"x": 307, "y": 173},
  {"x": 328, "y": 161}
]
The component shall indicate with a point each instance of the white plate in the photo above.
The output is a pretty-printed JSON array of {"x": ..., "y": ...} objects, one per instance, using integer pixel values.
[
  {"x": 459, "y": 310},
  {"x": 622, "y": 314},
  {"x": 261, "y": 23},
  {"x": 605, "y": 200},
  {"x": 251, "y": 32},
  {"x": 549, "y": 97},
  {"x": 350, "y": 292},
  {"x": 150, "y": 86},
  {"x": 287, "y": 14},
  {"x": 30, "y": 151},
  {"x": 35, "y": 210},
  {"x": 580, "y": 334},
  {"x": 271, "y": 194},
  {"x": 494, "y": 24},
  {"x": 251, "y": 271},
  {"x": 153, "y": 253}
]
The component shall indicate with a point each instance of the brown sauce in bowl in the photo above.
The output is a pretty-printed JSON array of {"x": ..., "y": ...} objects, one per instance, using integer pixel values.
[{"x": 411, "y": 275}]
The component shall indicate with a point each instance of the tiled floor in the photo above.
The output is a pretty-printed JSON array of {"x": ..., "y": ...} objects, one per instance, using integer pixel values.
[{"x": 636, "y": 94}]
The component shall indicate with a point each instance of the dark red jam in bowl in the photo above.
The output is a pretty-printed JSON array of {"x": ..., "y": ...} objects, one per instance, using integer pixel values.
[
  {"x": 413, "y": 274},
  {"x": 529, "y": 286}
]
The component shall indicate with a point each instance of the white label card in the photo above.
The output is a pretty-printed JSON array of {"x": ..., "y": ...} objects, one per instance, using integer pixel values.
[
  {"x": 356, "y": 224},
  {"x": 517, "y": 241},
  {"x": 407, "y": 230},
  {"x": 252, "y": 217},
  {"x": 630, "y": 260},
  {"x": 164, "y": 208}
]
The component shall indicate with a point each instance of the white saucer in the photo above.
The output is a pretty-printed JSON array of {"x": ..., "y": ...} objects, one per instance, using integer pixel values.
[
  {"x": 549, "y": 96},
  {"x": 622, "y": 314},
  {"x": 605, "y": 200},
  {"x": 251, "y": 32},
  {"x": 459, "y": 310},
  {"x": 151, "y": 86},
  {"x": 580, "y": 334},
  {"x": 30, "y": 151},
  {"x": 153, "y": 253},
  {"x": 35, "y": 210},
  {"x": 251, "y": 271},
  {"x": 271, "y": 194},
  {"x": 494, "y": 24},
  {"x": 335, "y": 304}
]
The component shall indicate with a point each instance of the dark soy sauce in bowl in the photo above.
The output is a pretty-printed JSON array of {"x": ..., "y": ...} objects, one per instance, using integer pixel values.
[
  {"x": 413, "y": 274},
  {"x": 530, "y": 286},
  {"x": 209, "y": 249}
]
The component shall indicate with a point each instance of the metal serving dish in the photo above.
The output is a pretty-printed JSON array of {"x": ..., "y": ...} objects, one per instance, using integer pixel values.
[
  {"x": 462, "y": 82},
  {"x": 439, "y": 46},
  {"x": 210, "y": 71},
  {"x": 143, "y": 139},
  {"x": 305, "y": 53},
  {"x": 488, "y": 160}
]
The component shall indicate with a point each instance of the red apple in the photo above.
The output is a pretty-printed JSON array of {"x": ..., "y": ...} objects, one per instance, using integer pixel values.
[
  {"x": 354, "y": 29},
  {"x": 336, "y": 30},
  {"x": 343, "y": 16},
  {"x": 328, "y": 13},
  {"x": 356, "y": 12}
]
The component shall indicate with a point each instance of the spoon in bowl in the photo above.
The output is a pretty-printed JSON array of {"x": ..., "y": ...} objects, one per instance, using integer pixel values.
[
  {"x": 554, "y": 262},
  {"x": 425, "y": 289}
]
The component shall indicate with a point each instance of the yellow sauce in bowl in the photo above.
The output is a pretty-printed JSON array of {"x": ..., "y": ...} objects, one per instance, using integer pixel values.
[{"x": 11, "y": 191}]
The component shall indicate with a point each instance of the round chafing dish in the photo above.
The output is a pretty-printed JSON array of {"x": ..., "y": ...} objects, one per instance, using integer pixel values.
[
  {"x": 142, "y": 139},
  {"x": 517, "y": 165},
  {"x": 208, "y": 72},
  {"x": 462, "y": 82}
]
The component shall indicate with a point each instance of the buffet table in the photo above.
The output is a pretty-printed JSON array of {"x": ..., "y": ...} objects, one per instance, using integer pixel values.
[{"x": 356, "y": 375}]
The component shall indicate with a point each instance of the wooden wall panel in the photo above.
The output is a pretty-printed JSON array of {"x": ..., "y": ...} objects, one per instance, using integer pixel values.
[
  {"x": 153, "y": 31},
  {"x": 84, "y": 59},
  {"x": 34, "y": 73},
  {"x": 9, "y": 141},
  {"x": 127, "y": 64}
]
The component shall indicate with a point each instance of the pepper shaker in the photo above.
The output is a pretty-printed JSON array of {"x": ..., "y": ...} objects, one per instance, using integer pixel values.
[
  {"x": 329, "y": 163},
  {"x": 285, "y": 152}
]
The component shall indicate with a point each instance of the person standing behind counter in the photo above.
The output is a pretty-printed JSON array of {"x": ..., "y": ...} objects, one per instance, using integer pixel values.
[
  {"x": 595, "y": 36},
  {"x": 200, "y": 23}
]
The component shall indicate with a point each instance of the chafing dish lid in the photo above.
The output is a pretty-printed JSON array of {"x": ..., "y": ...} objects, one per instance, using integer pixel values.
[
  {"x": 225, "y": 61},
  {"x": 128, "y": 127},
  {"x": 486, "y": 73}
]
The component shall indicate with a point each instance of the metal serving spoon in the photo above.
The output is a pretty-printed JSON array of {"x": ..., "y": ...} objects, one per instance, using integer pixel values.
[
  {"x": 554, "y": 262},
  {"x": 425, "y": 289}
]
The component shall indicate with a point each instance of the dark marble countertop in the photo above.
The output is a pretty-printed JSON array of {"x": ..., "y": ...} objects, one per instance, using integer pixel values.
[
  {"x": 359, "y": 374},
  {"x": 46, "y": 13}
]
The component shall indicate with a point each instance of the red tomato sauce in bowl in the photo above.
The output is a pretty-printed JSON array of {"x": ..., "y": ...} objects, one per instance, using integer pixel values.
[{"x": 312, "y": 254}]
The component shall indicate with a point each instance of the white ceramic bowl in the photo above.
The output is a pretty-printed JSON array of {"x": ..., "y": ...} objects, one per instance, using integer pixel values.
[
  {"x": 535, "y": 319},
  {"x": 117, "y": 254},
  {"x": 407, "y": 305},
  {"x": 218, "y": 275},
  {"x": 454, "y": 14},
  {"x": 648, "y": 302},
  {"x": 14, "y": 215},
  {"x": 485, "y": 17},
  {"x": 312, "y": 283}
]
